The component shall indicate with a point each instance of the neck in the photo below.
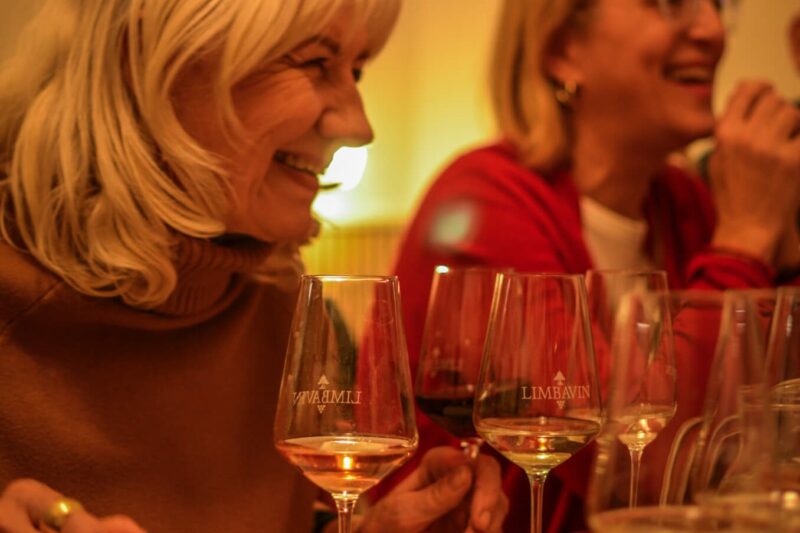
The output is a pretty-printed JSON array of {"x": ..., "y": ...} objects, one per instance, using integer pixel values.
[{"x": 615, "y": 175}]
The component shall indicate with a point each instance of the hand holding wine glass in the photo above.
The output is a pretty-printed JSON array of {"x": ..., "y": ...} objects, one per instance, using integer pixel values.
[
  {"x": 345, "y": 416},
  {"x": 452, "y": 348},
  {"x": 538, "y": 399}
]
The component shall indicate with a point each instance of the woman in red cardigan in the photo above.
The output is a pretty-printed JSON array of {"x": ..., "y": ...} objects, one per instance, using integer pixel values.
[{"x": 590, "y": 98}]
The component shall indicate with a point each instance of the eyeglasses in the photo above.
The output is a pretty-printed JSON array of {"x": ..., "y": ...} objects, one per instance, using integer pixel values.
[{"x": 685, "y": 11}]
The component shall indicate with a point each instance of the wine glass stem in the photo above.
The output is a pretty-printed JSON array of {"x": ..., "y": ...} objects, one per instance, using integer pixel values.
[
  {"x": 345, "y": 507},
  {"x": 471, "y": 446},
  {"x": 537, "y": 491},
  {"x": 636, "y": 461}
]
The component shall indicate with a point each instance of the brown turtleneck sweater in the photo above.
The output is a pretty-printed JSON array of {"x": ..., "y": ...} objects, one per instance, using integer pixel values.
[{"x": 165, "y": 415}]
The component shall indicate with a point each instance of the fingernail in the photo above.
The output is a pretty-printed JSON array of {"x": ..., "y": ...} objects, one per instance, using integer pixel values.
[
  {"x": 459, "y": 477},
  {"x": 484, "y": 519}
]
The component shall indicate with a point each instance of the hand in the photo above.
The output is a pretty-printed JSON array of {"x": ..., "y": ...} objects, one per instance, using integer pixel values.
[
  {"x": 436, "y": 497},
  {"x": 25, "y": 501},
  {"x": 755, "y": 171}
]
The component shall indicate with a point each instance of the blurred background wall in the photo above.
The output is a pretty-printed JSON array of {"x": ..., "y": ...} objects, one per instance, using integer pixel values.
[{"x": 427, "y": 98}]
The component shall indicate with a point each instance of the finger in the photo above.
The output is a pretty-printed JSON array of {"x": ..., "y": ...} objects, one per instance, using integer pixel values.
[
  {"x": 765, "y": 109},
  {"x": 83, "y": 522},
  {"x": 14, "y": 518},
  {"x": 498, "y": 518},
  {"x": 34, "y": 497},
  {"x": 436, "y": 463},
  {"x": 786, "y": 123},
  {"x": 120, "y": 524},
  {"x": 743, "y": 99},
  {"x": 80, "y": 521},
  {"x": 486, "y": 492},
  {"x": 428, "y": 504}
]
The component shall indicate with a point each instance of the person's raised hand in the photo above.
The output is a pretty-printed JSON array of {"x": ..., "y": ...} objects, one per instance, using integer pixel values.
[
  {"x": 755, "y": 172},
  {"x": 27, "y": 506}
]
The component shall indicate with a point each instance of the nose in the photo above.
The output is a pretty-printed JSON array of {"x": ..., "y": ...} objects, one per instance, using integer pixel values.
[
  {"x": 707, "y": 26},
  {"x": 344, "y": 119}
]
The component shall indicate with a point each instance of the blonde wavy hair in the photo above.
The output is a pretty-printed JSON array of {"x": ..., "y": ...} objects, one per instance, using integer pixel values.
[
  {"x": 97, "y": 175},
  {"x": 523, "y": 93}
]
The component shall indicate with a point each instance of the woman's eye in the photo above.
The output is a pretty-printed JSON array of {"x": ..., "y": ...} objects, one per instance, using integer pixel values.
[
  {"x": 357, "y": 73},
  {"x": 318, "y": 63}
]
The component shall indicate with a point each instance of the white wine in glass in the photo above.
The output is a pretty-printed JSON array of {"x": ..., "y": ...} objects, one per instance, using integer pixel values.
[
  {"x": 633, "y": 337},
  {"x": 538, "y": 399},
  {"x": 641, "y": 424},
  {"x": 345, "y": 413}
]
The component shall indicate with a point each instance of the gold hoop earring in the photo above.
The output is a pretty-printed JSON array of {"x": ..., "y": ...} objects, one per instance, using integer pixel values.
[{"x": 566, "y": 93}]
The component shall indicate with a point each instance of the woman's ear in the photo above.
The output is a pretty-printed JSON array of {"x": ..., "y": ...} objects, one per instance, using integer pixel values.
[{"x": 562, "y": 58}]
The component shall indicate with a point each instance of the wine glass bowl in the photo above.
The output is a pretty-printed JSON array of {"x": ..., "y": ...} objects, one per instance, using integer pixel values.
[
  {"x": 538, "y": 399},
  {"x": 452, "y": 348},
  {"x": 345, "y": 413}
]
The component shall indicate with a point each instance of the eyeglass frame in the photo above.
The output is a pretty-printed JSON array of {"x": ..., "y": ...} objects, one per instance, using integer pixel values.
[{"x": 671, "y": 9}]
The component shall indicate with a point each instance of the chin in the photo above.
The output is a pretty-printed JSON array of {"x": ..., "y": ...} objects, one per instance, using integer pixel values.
[
  {"x": 287, "y": 230},
  {"x": 690, "y": 132}
]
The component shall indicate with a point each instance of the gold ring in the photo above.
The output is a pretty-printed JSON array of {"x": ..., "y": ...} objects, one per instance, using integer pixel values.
[{"x": 58, "y": 513}]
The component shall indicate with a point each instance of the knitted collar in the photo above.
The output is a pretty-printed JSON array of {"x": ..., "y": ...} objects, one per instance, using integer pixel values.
[{"x": 208, "y": 271}]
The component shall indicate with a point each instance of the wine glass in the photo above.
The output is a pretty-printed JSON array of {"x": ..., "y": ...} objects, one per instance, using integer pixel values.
[
  {"x": 345, "y": 414},
  {"x": 538, "y": 399},
  {"x": 720, "y": 460},
  {"x": 452, "y": 347},
  {"x": 783, "y": 382},
  {"x": 633, "y": 337},
  {"x": 696, "y": 318},
  {"x": 733, "y": 459}
]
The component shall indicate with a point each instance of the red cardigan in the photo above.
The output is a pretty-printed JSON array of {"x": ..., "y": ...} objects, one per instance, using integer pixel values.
[{"x": 487, "y": 209}]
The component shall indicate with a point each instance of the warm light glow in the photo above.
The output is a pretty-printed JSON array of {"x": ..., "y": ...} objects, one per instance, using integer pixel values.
[
  {"x": 331, "y": 206},
  {"x": 347, "y": 168},
  {"x": 347, "y": 463},
  {"x": 791, "y": 500}
]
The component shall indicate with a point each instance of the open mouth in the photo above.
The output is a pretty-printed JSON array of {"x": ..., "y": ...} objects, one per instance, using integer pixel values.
[
  {"x": 691, "y": 75},
  {"x": 300, "y": 164}
]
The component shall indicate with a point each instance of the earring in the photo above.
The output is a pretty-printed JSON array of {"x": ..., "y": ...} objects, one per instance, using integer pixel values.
[{"x": 566, "y": 93}]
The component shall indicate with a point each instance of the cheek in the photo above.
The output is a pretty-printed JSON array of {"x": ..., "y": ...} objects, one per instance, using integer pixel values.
[{"x": 282, "y": 110}]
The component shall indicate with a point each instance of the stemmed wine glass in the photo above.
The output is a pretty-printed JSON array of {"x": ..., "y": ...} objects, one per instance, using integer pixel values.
[
  {"x": 452, "y": 347},
  {"x": 345, "y": 414},
  {"x": 712, "y": 461},
  {"x": 633, "y": 336},
  {"x": 783, "y": 382},
  {"x": 538, "y": 399}
]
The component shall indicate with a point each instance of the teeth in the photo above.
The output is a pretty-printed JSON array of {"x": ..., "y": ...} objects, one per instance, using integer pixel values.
[
  {"x": 692, "y": 74},
  {"x": 299, "y": 163}
]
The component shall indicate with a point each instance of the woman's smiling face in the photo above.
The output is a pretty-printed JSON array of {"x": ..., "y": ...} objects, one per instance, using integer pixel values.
[
  {"x": 296, "y": 111},
  {"x": 646, "y": 78}
]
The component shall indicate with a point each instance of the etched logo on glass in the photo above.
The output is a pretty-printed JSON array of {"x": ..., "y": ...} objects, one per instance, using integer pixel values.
[
  {"x": 558, "y": 392},
  {"x": 323, "y": 396}
]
